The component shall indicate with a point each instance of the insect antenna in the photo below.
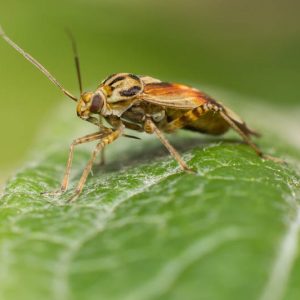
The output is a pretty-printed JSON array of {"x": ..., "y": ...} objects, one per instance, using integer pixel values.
[
  {"x": 76, "y": 58},
  {"x": 36, "y": 63}
]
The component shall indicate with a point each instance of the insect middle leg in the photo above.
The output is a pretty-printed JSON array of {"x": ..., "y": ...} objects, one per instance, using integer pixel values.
[
  {"x": 150, "y": 127},
  {"x": 188, "y": 117},
  {"x": 104, "y": 141}
]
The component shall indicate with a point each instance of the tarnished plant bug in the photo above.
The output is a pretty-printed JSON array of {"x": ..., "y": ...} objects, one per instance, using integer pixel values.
[{"x": 144, "y": 104}]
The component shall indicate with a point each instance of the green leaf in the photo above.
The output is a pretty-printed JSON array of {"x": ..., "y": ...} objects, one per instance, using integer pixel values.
[{"x": 142, "y": 229}]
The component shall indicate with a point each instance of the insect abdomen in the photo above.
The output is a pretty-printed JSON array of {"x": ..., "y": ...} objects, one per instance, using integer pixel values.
[{"x": 210, "y": 122}]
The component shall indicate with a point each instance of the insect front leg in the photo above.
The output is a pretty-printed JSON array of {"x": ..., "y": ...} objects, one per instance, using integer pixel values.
[
  {"x": 150, "y": 127},
  {"x": 104, "y": 141},
  {"x": 102, "y": 153},
  {"x": 85, "y": 139}
]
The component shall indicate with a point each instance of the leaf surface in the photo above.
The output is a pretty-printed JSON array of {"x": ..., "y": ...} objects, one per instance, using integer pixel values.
[{"x": 142, "y": 229}]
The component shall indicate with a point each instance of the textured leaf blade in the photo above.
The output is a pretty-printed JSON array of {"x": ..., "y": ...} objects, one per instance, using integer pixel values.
[{"x": 144, "y": 230}]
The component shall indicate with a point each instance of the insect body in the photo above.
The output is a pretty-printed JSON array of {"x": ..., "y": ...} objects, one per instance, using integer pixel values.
[{"x": 144, "y": 104}]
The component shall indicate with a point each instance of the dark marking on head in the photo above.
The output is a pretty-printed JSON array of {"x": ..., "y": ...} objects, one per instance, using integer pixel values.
[
  {"x": 109, "y": 77},
  {"x": 131, "y": 92},
  {"x": 117, "y": 79},
  {"x": 134, "y": 77}
]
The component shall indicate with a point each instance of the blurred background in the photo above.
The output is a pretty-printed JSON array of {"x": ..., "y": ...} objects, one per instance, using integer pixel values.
[{"x": 250, "y": 47}]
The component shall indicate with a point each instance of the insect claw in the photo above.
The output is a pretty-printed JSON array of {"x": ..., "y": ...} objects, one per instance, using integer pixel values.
[
  {"x": 189, "y": 170},
  {"x": 53, "y": 193},
  {"x": 74, "y": 197},
  {"x": 274, "y": 159},
  {"x": 184, "y": 167}
]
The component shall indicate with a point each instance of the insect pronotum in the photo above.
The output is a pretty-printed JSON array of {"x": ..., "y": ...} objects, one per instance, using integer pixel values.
[{"x": 144, "y": 104}]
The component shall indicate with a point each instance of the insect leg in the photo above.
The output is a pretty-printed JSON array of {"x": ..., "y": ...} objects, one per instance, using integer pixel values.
[
  {"x": 85, "y": 139},
  {"x": 104, "y": 141},
  {"x": 102, "y": 153},
  {"x": 248, "y": 140},
  {"x": 150, "y": 127},
  {"x": 241, "y": 133},
  {"x": 132, "y": 126}
]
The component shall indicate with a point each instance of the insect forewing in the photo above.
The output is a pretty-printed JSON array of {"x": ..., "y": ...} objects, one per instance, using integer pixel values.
[{"x": 173, "y": 95}]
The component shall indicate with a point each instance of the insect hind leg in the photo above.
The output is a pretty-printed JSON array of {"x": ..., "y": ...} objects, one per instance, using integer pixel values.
[{"x": 247, "y": 138}]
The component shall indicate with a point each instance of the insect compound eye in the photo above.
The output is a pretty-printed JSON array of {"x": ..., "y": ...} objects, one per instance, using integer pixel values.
[{"x": 96, "y": 103}]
